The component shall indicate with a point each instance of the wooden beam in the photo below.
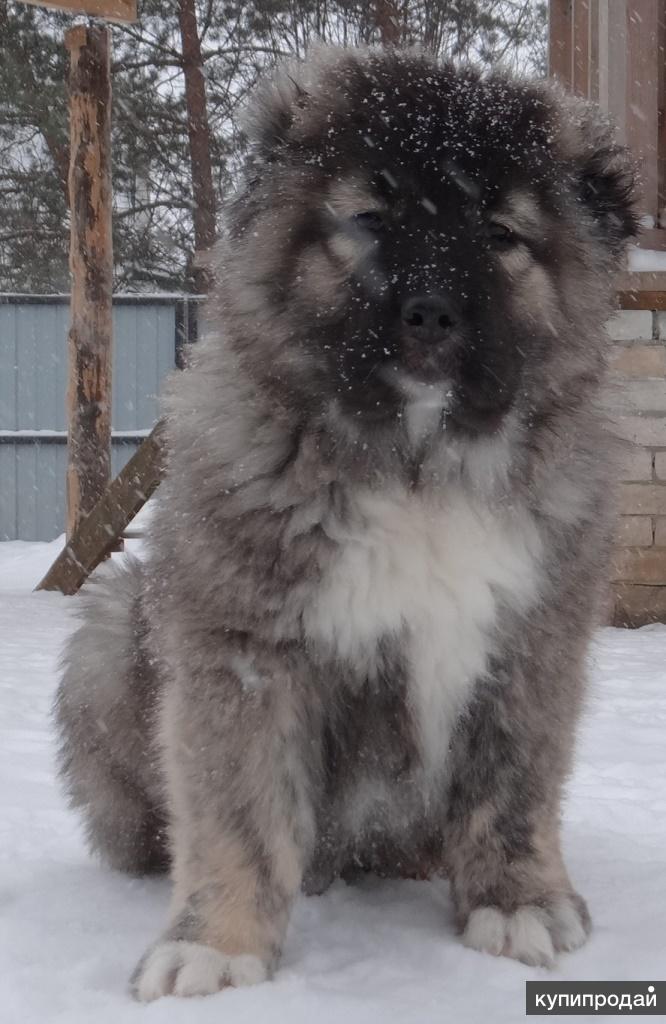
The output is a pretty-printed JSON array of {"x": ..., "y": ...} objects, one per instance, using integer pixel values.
[
  {"x": 593, "y": 76},
  {"x": 560, "y": 41},
  {"x": 642, "y": 98},
  {"x": 661, "y": 114},
  {"x": 91, "y": 265},
  {"x": 581, "y": 47},
  {"x": 613, "y": 71},
  {"x": 110, "y": 10},
  {"x": 99, "y": 532}
]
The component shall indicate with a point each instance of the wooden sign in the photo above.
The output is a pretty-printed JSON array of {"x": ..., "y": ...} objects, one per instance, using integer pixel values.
[{"x": 110, "y": 10}]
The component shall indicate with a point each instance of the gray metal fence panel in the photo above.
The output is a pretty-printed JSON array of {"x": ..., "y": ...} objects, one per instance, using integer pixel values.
[
  {"x": 149, "y": 334},
  {"x": 144, "y": 352}
]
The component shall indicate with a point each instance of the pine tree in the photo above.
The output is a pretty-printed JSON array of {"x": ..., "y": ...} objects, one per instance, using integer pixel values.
[{"x": 180, "y": 78}]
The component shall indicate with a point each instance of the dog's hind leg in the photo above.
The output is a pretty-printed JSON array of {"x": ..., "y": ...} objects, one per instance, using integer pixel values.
[{"x": 104, "y": 713}]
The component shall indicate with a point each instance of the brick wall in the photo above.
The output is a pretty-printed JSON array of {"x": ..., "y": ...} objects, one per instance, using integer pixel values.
[{"x": 638, "y": 401}]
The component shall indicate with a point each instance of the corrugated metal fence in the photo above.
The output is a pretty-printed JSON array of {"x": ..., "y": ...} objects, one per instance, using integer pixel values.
[{"x": 150, "y": 333}]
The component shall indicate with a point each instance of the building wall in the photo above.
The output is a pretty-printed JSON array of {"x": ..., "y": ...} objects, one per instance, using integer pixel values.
[{"x": 637, "y": 398}]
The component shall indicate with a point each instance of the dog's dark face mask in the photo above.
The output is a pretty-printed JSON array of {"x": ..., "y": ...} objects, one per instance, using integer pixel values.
[
  {"x": 429, "y": 300},
  {"x": 427, "y": 237}
]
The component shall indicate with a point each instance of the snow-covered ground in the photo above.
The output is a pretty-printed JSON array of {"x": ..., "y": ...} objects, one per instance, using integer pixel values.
[{"x": 71, "y": 930}]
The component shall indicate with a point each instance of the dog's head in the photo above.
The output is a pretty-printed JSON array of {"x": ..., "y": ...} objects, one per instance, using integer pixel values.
[{"x": 415, "y": 230}]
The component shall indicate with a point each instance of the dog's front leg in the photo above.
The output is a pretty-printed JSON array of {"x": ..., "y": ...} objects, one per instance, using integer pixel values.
[
  {"x": 240, "y": 758},
  {"x": 510, "y": 887}
]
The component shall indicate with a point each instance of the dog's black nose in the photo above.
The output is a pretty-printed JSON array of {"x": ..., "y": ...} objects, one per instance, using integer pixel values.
[{"x": 429, "y": 317}]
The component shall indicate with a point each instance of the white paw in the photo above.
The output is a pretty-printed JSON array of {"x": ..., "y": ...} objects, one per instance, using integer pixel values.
[
  {"x": 569, "y": 929},
  {"x": 191, "y": 969},
  {"x": 531, "y": 934}
]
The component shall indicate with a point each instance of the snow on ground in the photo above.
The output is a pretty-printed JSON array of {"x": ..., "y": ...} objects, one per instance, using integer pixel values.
[{"x": 71, "y": 930}]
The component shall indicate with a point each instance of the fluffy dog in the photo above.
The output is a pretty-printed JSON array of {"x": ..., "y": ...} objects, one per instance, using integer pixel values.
[{"x": 358, "y": 641}]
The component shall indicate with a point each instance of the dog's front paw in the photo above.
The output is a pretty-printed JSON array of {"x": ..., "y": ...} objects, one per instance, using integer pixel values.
[
  {"x": 192, "y": 969},
  {"x": 531, "y": 934}
]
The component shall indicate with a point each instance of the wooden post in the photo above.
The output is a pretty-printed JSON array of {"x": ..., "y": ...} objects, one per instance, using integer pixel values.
[
  {"x": 642, "y": 97},
  {"x": 91, "y": 265},
  {"x": 661, "y": 143},
  {"x": 593, "y": 70},
  {"x": 613, "y": 51},
  {"x": 560, "y": 41},
  {"x": 581, "y": 47}
]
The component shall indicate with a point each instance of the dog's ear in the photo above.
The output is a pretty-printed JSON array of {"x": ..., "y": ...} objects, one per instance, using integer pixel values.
[
  {"x": 604, "y": 172},
  {"x": 288, "y": 107},
  {"x": 607, "y": 187},
  {"x": 275, "y": 107}
]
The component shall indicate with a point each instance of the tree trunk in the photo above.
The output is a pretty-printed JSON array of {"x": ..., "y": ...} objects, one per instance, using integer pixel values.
[
  {"x": 91, "y": 264},
  {"x": 388, "y": 22},
  {"x": 199, "y": 135}
]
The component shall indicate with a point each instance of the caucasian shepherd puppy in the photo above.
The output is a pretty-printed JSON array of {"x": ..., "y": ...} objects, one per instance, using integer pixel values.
[{"x": 358, "y": 641}]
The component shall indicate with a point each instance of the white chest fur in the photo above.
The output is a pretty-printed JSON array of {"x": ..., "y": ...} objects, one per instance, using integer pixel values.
[{"x": 431, "y": 574}]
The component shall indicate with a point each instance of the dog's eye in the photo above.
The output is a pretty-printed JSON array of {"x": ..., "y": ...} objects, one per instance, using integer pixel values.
[
  {"x": 369, "y": 220},
  {"x": 500, "y": 235}
]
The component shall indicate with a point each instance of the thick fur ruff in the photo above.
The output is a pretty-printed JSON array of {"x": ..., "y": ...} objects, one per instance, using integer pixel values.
[{"x": 358, "y": 640}]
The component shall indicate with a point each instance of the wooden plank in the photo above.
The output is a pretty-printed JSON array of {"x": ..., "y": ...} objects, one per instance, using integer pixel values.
[
  {"x": 613, "y": 62},
  {"x": 560, "y": 13},
  {"x": 99, "y": 532},
  {"x": 581, "y": 47},
  {"x": 91, "y": 263},
  {"x": 593, "y": 79},
  {"x": 110, "y": 10},
  {"x": 661, "y": 115},
  {"x": 642, "y": 85},
  {"x": 601, "y": 26}
]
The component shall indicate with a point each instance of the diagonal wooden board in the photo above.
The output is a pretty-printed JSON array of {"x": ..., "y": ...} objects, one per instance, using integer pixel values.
[
  {"x": 110, "y": 10},
  {"x": 99, "y": 532}
]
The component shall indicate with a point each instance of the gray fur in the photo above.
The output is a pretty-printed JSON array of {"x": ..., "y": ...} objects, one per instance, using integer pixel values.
[
  {"x": 374, "y": 568},
  {"x": 110, "y": 758}
]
